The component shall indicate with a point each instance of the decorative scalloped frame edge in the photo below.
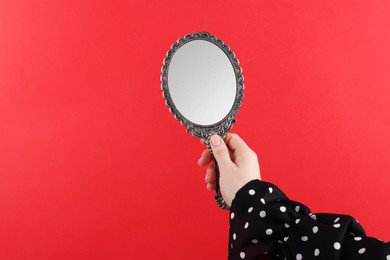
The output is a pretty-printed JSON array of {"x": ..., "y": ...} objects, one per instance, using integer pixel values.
[{"x": 223, "y": 126}]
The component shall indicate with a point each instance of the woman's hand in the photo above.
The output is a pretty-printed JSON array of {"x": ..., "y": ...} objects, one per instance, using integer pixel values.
[{"x": 237, "y": 163}]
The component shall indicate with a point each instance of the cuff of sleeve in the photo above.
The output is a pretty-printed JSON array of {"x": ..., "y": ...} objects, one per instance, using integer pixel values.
[{"x": 254, "y": 192}]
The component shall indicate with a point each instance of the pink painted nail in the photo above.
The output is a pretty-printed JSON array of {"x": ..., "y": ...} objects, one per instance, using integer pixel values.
[{"x": 215, "y": 140}]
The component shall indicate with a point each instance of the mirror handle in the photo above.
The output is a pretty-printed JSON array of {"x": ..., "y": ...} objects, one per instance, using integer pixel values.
[{"x": 218, "y": 196}]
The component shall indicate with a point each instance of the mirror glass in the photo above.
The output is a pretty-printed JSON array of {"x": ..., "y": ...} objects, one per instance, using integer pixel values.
[{"x": 202, "y": 82}]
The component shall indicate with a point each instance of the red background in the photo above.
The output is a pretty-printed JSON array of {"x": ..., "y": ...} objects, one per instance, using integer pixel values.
[{"x": 92, "y": 165}]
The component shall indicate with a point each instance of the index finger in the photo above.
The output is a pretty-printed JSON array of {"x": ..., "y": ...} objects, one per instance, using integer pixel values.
[
  {"x": 205, "y": 158},
  {"x": 236, "y": 144}
]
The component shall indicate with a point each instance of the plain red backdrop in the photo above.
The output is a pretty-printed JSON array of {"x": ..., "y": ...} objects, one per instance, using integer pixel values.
[{"x": 92, "y": 165}]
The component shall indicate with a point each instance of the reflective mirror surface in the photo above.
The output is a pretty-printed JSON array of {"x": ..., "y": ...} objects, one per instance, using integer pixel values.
[{"x": 202, "y": 82}]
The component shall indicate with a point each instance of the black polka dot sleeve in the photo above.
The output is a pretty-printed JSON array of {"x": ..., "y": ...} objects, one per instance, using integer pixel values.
[{"x": 265, "y": 224}]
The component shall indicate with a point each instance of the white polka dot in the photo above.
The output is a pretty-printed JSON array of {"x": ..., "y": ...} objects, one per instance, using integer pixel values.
[
  {"x": 336, "y": 220},
  {"x": 269, "y": 231},
  {"x": 297, "y": 220},
  {"x": 362, "y": 250},
  {"x": 250, "y": 209},
  {"x": 297, "y": 208},
  {"x": 231, "y": 245},
  {"x": 283, "y": 209},
  {"x": 316, "y": 252},
  {"x": 270, "y": 189},
  {"x": 287, "y": 225},
  {"x": 313, "y": 217},
  {"x": 234, "y": 236},
  {"x": 357, "y": 238},
  {"x": 242, "y": 255},
  {"x": 299, "y": 257},
  {"x": 285, "y": 239},
  {"x": 255, "y": 241},
  {"x": 388, "y": 257},
  {"x": 315, "y": 229},
  {"x": 262, "y": 200},
  {"x": 232, "y": 215},
  {"x": 304, "y": 238},
  {"x": 252, "y": 192},
  {"x": 337, "y": 245},
  {"x": 246, "y": 225},
  {"x": 337, "y": 225},
  {"x": 266, "y": 252},
  {"x": 262, "y": 214}
]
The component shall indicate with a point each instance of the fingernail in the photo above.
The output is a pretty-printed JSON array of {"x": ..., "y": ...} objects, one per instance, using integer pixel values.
[{"x": 215, "y": 140}]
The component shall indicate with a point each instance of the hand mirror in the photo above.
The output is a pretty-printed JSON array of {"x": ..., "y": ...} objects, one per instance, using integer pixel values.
[{"x": 203, "y": 87}]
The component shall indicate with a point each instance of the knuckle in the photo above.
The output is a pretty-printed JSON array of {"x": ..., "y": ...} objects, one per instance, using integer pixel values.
[
  {"x": 222, "y": 155},
  {"x": 252, "y": 155},
  {"x": 234, "y": 136},
  {"x": 221, "y": 151}
]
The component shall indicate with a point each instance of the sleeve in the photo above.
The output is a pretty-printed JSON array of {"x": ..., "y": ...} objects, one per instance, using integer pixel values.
[{"x": 265, "y": 224}]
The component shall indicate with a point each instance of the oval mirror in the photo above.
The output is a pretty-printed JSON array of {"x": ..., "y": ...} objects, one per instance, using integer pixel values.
[{"x": 202, "y": 83}]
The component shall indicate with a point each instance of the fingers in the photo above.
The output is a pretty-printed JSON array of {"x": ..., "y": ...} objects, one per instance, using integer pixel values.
[
  {"x": 235, "y": 143},
  {"x": 211, "y": 186},
  {"x": 210, "y": 174},
  {"x": 220, "y": 151},
  {"x": 205, "y": 158},
  {"x": 239, "y": 149},
  {"x": 210, "y": 178}
]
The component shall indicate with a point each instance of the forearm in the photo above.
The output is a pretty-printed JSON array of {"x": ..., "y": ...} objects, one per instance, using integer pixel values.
[{"x": 265, "y": 223}]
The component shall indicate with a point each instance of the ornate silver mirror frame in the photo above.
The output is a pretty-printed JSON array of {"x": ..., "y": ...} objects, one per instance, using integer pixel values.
[{"x": 204, "y": 132}]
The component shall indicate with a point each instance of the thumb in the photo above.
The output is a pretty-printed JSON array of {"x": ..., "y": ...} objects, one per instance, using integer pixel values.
[{"x": 220, "y": 151}]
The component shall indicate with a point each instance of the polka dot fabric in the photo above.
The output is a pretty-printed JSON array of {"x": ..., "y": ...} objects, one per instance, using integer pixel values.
[{"x": 265, "y": 224}]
